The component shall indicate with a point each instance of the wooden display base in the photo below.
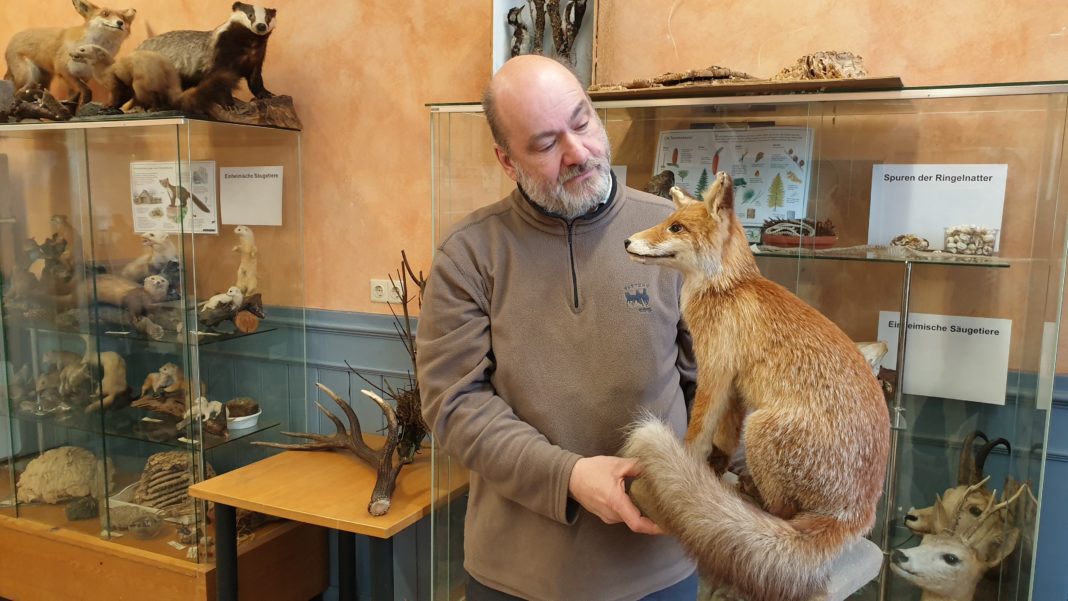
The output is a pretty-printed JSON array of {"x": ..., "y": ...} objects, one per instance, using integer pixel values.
[{"x": 47, "y": 558}]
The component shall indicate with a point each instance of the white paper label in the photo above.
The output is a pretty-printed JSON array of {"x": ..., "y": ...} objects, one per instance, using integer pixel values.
[
  {"x": 926, "y": 199},
  {"x": 163, "y": 201},
  {"x": 251, "y": 195},
  {"x": 953, "y": 357}
]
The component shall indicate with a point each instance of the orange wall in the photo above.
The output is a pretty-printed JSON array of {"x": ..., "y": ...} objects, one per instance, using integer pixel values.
[
  {"x": 926, "y": 42},
  {"x": 360, "y": 73}
]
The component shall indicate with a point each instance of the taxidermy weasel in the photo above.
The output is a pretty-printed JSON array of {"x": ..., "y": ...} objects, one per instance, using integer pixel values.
[
  {"x": 231, "y": 299},
  {"x": 238, "y": 47},
  {"x": 167, "y": 380},
  {"x": 63, "y": 230},
  {"x": 817, "y": 431},
  {"x": 34, "y": 56},
  {"x": 246, "y": 271},
  {"x": 159, "y": 250},
  {"x": 141, "y": 78},
  {"x": 180, "y": 196}
]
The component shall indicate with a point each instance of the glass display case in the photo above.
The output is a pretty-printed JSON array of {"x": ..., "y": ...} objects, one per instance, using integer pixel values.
[
  {"x": 153, "y": 320},
  {"x": 864, "y": 204}
]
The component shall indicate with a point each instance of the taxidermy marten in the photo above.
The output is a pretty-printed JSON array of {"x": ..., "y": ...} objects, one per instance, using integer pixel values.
[
  {"x": 181, "y": 196},
  {"x": 167, "y": 380},
  {"x": 138, "y": 300},
  {"x": 211, "y": 62},
  {"x": 141, "y": 78},
  {"x": 34, "y": 56}
]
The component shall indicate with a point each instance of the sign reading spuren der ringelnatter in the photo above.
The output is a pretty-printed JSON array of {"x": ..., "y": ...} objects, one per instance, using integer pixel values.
[{"x": 953, "y": 357}]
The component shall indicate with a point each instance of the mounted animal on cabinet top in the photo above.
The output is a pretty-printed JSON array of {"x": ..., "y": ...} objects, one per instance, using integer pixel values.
[
  {"x": 216, "y": 60},
  {"x": 35, "y": 56}
]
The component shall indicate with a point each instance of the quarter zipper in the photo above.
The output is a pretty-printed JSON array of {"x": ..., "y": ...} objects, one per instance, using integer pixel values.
[{"x": 571, "y": 255}]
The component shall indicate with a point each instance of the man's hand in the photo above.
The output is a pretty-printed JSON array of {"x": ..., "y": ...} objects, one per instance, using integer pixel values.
[{"x": 597, "y": 484}]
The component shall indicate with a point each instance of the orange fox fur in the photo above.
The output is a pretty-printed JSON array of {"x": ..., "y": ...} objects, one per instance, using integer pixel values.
[
  {"x": 34, "y": 56},
  {"x": 774, "y": 372}
]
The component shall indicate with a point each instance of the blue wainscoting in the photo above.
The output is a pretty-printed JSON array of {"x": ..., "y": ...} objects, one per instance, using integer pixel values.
[
  {"x": 369, "y": 343},
  {"x": 1051, "y": 577}
]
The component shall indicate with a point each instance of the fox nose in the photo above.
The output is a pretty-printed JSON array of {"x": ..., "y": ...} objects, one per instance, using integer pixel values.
[
  {"x": 260, "y": 27},
  {"x": 119, "y": 24},
  {"x": 626, "y": 243},
  {"x": 899, "y": 557},
  {"x": 911, "y": 518}
]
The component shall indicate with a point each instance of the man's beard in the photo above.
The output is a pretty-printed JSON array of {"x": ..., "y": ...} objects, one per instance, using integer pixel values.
[{"x": 556, "y": 199}]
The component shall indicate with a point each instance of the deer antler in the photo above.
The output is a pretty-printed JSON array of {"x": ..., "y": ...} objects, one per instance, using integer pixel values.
[{"x": 975, "y": 533}]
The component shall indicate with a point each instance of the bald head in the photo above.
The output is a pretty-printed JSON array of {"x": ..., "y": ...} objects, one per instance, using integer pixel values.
[{"x": 526, "y": 84}]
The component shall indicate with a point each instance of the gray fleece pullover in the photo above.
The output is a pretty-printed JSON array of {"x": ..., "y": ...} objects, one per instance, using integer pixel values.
[{"x": 539, "y": 342}]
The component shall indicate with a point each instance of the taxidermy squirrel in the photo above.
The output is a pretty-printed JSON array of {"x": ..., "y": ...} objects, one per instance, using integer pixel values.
[
  {"x": 158, "y": 253},
  {"x": 212, "y": 62},
  {"x": 246, "y": 270},
  {"x": 34, "y": 56},
  {"x": 181, "y": 196},
  {"x": 141, "y": 78},
  {"x": 817, "y": 431}
]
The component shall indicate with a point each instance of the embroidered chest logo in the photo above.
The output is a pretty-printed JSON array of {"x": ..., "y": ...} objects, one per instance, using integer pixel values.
[{"x": 637, "y": 297}]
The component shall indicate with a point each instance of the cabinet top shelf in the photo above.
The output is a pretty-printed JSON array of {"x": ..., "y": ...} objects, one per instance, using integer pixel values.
[
  {"x": 129, "y": 120},
  {"x": 682, "y": 97}
]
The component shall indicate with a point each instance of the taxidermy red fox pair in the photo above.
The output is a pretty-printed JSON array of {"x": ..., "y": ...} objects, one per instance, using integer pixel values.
[{"x": 776, "y": 375}]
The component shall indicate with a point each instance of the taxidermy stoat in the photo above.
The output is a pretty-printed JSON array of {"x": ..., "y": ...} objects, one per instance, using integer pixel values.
[
  {"x": 246, "y": 271},
  {"x": 168, "y": 379},
  {"x": 232, "y": 298},
  {"x": 180, "y": 196},
  {"x": 238, "y": 46},
  {"x": 141, "y": 78},
  {"x": 160, "y": 251}
]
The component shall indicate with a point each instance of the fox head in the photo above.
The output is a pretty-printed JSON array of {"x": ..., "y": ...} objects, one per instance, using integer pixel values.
[
  {"x": 105, "y": 17},
  {"x": 701, "y": 238}
]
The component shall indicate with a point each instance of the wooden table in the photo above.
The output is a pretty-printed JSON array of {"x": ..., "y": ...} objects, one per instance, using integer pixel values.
[{"x": 329, "y": 489}]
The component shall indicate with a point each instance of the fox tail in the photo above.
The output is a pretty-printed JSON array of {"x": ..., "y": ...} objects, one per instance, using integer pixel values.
[{"x": 765, "y": 558}]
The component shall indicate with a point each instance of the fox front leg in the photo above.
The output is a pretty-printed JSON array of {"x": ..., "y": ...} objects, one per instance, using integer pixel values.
[{"x": 713, "y": 400}]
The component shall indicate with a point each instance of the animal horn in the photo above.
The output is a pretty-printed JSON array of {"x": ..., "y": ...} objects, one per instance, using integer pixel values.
[
  {"x": 980, "y": 457},
  {"x": 966, "y": 472}
]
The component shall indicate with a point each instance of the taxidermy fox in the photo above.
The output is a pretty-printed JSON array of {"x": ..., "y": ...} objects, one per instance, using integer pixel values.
[
  {"x": 215, "y": 60},
  {"x": 817, "y": 431},
  {"x": 34, "y": 56}
]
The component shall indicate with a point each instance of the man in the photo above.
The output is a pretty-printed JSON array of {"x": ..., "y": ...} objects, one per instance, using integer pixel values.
[{"x": 539, "y": 342}]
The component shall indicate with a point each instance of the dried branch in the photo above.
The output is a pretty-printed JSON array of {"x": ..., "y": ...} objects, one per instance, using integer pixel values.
[
  {"x": 573, "y": 14},
  {"x": 559, "y": 35},
  {"x": 520, "y": 32},
  {"x": 538, "y": 13}
]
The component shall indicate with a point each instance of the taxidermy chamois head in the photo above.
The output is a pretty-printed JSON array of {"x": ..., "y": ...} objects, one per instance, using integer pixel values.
[
  {"x": 969, "y": 473},
  {"x": 947, "y": 565}
]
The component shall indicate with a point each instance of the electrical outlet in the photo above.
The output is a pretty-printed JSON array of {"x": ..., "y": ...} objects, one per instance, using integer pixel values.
[{"x": 384, "y": 291}]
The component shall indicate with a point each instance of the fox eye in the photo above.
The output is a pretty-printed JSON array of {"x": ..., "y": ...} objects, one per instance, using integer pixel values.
[
  {"x": 975, "y": 510},
  {"x": 675, "y": 228},
  {"x": 951, "y": 559}
]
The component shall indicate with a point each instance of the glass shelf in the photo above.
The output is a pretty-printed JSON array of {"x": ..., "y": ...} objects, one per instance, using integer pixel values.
[
  {"x": 867, "y": 254},
  {"x": 137, "y": 425}
]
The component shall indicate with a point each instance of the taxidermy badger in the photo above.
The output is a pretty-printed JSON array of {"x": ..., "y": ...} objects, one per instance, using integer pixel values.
[{"x": 212, "y": 62}]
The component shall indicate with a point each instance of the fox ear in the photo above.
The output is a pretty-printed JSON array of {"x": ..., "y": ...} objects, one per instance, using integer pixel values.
[
  {"x": 720, "y": 195},
  {"x": 681, "y": 198},
  {"x": 129, "y": 14},
  {"x": 84, "y": 8}
]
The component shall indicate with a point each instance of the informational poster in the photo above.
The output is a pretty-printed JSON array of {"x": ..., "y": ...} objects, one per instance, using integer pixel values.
[
  {"x": 952, "y": 357},
  {"x": 161, "y": 201},
  {"x": 770, "y": 166},
  {"x": 925, "y": 199},
  {"x": 251, "y": 195}
]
